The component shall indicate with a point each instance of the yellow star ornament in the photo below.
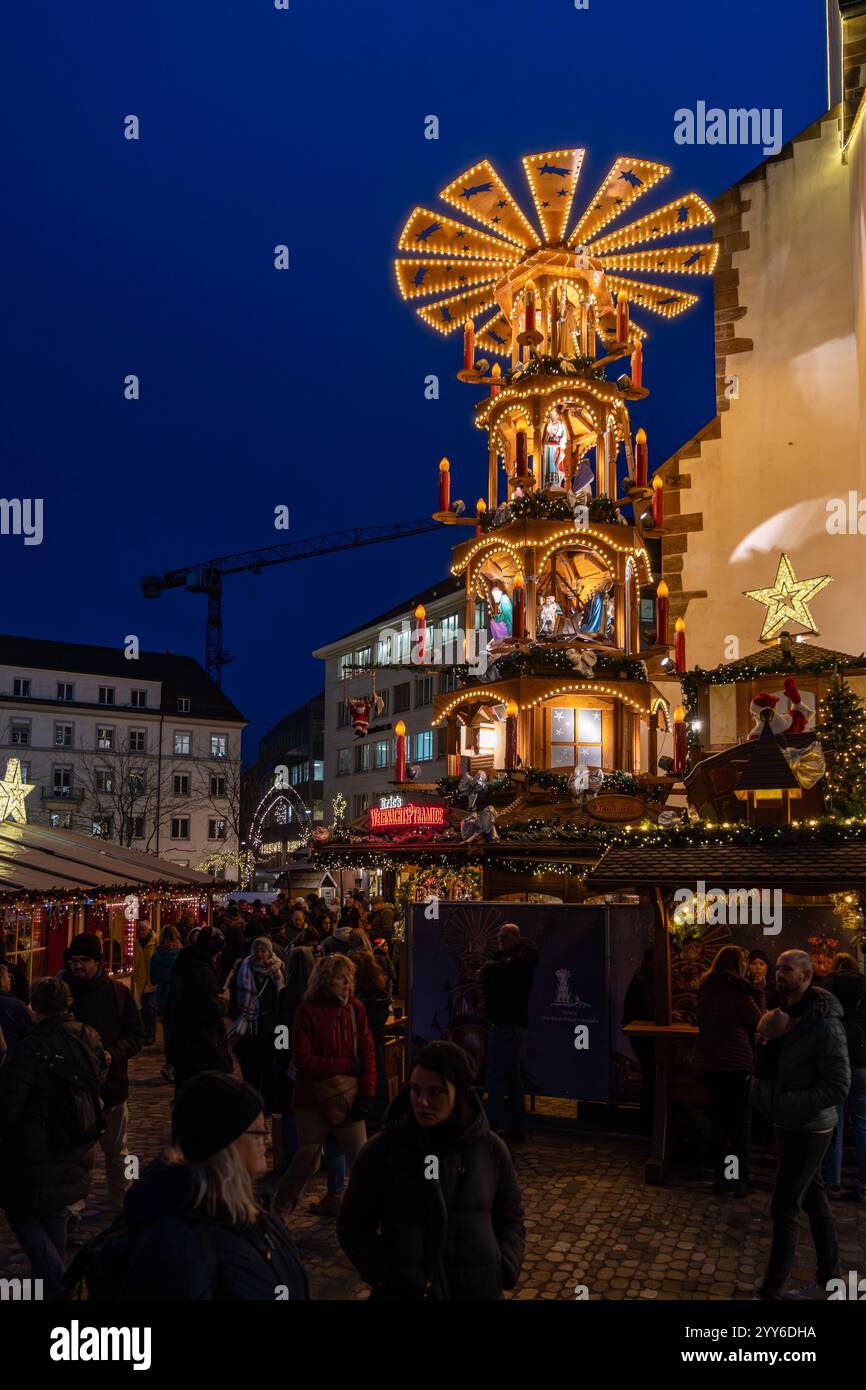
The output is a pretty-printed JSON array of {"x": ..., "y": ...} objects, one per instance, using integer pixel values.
[
  {"x": 788, "y": 600},
  {"x": 13, "y": 790}
]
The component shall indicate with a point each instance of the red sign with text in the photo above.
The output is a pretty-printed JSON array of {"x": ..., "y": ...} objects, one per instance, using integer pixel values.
[{"x": 407, "y": 817}]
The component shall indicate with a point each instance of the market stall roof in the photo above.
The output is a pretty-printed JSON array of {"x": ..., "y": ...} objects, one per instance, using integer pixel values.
[
  {"x": 804, "y": 868},
  {"x": 34, "y": 858}
]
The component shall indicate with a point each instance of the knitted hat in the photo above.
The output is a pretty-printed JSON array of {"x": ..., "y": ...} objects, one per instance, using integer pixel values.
[
  {"x": 87, "y": 944},
  {"x": 450, "y": 1062},
  {"x": 211, "y": 1111}
]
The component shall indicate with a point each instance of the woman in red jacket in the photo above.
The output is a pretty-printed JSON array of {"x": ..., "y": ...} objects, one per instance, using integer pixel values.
[
  {"x": 331, "y": 1043},
  {"x": 727, "y": 1017}
]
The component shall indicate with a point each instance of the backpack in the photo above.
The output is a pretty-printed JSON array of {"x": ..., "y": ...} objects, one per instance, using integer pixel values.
[
  {"x": 74, "y": 1117},
  {"x": 102, "y": 1264}
]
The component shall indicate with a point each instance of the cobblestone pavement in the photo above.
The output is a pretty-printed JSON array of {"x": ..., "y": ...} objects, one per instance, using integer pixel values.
[{"x": 590, "y": 1219}]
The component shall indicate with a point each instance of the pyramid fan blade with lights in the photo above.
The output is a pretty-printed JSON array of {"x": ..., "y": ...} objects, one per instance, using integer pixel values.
[{"x": 462, "y": 273}]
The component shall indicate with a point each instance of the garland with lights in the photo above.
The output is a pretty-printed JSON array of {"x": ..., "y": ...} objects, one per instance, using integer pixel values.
[
  {"x": 78, "y": 897},
  {"x": 548, "y": 507},
  {"x": 623, "y": 782},
  {"x": 542, "y": 660}
]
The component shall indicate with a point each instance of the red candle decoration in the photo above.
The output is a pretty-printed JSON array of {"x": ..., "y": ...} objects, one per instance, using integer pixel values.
[
  {"x": 680, "y": 645},
  {"x": 530, "y": 312},
  {"x": 521, "y": 454},
  {"x": 637, "y": 364},
  {"x": 400, "y": 764},
  {"x": 658, "y": 502},
  {"x": 589, "y": 344},
  {"x": 496, "y": 373},
  {"x": 510, "y": 736},
  {"x": 421, "y": 620},
  {"x": 641, "y": 459},
  {"x": 518, "y": 607},
  {"x": 480, "y": 509},
  {"x": 662, "y": 614},
  {"x": 444, "y": 485},
  {"x": 468, "y": 346},
  {"x": 679, "y": 740},
  {"x": 622, "y": 317}
]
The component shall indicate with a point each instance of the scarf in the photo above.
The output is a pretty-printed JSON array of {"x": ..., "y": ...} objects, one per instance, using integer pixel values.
[{"x": 250, "y": 984}]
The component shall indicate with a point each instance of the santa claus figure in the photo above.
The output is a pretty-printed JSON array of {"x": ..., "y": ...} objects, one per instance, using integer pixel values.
[
  {"x": 763, "y": 710},
  {"x": 359, "y": 712},
  {"x": 800, "y": 713}
]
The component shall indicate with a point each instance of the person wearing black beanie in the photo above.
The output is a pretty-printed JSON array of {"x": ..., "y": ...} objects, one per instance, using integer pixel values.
[
  {"x": 433, "y": 1208},
  {"x": 197, "y": 1227}
]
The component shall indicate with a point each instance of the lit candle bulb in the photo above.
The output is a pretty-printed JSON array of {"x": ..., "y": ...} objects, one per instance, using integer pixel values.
[
  {"x": 444, "y": 485},
  {"x": 511, "y": 735},
  {"x": 662, "y": 614},
  {"x": 637, "y": 364},
  {"x": 679, "y": 739},
  {"x": 421, "y": 632},
  {"x": 622, "y": 317},
  {"x": 400, "y": 764},
  {"x": 496, "y": 373},
  {"x": 680, "y": 645},
  {"x": 480, "y": 509},
  {"x": 641, "y": 459},
  {"x": 468, "y": 345},
  {"x": 658, "y": 502},
  {"x": 518, "y": 607}
]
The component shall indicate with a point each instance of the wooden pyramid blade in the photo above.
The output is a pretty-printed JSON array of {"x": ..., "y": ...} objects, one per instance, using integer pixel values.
[
  {"x": 452, "y": 313},
  {"x": 480, "y": 193},
  {"x": 626, "y": 181},
  {"x": 419, "y": 279},
  {"x": 495, "y": 336},
  {"x": 429, "y": 233},
  {"x": 552, "y": 177},
  {"x": 697, "y": 259},
  {"x": 660, "y": 298},
  {"x": 679, "y": 216}
]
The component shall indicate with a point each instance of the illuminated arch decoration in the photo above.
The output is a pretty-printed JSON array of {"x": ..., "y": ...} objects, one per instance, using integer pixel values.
[
  {"x": 662, "y": 705},
  {"x": 279, "y": 802},
  {"x": 461, "y": 272}
]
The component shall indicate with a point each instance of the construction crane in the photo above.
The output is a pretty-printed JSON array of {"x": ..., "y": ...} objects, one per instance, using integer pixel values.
[{"x": 207, "y": 578}]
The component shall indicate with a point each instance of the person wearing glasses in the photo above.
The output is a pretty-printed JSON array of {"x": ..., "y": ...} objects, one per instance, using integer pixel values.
[{"x": 197, "y": 1227}]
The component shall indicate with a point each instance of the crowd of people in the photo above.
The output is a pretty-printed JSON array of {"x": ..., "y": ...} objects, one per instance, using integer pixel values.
[{"x": 273, "y": 1026}]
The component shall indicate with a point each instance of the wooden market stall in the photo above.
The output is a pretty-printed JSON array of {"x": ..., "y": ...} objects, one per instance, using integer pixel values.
[{"x": 56, "y": 883}]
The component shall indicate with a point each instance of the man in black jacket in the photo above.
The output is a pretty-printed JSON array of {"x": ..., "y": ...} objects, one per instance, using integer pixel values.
[
  {"x": 197, "y": 1006},
  {"x": 507, "y": 981},
  {"x": 108, "y": 1008},
  {"x": 43, "y": 1169},
  {"x": 803, "y": 1076}
]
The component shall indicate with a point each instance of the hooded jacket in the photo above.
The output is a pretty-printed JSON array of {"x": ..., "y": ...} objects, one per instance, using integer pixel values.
[
  {"x": 37, "y": 1177},
  {"x": 181, "y": 1253},
  {"x": 727, "y": 1017},
  {"x": 108, "y": 1007},
  {"x": 412, "y": 1234},
  {"x": 507, "y": 981},
  {"x": 196, "y": 1014},
  {"x": 813, "y": 1076}
]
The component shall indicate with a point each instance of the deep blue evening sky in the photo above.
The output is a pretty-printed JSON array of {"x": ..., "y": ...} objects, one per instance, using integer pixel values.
[{"x": 303, "y": 387}]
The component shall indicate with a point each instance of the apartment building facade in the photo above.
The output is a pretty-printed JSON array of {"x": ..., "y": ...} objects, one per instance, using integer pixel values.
[
  {"x": 144, "y": 752},
  {"x": 359, "y": 772}
]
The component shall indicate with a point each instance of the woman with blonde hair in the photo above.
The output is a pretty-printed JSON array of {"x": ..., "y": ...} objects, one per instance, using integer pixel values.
[
  {"x": 335, "y": 1066},
  {"x": 727, "y": 1017},
  {"x": 196, "y": 1230}
]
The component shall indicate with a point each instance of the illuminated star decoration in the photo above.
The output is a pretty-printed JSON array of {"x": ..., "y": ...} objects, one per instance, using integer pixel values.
[
  {"x": 788, "y": 600},
  {"x": 13, "y": 790}
]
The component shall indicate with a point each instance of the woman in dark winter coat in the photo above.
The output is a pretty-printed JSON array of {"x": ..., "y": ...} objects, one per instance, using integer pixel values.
[
  {"x": 197, "y": 1007},
  {"x": 846, "y": 981},
  {"x": 373, "y": 988},
  {"x": 257, "y": 981},
  {"x": 727, "y": 1017},
  {"x": 198, "y": 1231},
  {"x": 162, "y": 964},
  {"x": 44, "y": 1167},
  {"x": 433, "y": 1209}
]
